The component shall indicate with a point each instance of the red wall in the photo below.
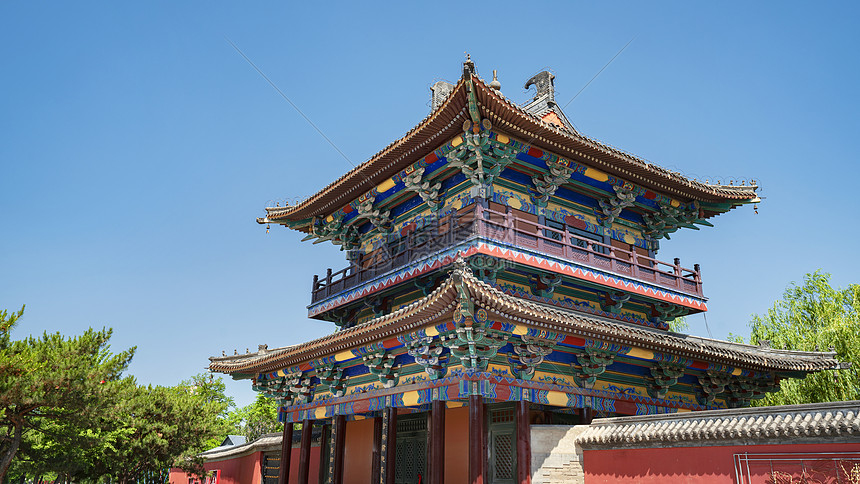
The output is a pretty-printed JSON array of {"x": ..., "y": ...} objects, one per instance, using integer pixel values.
[
  {"x": 358, "y": 451},
  {"x": 712, "y": 465},
  {"x": 314, "y": 472},
  {"x": 457, "y": 445},
  {"x": 241, "y": 470}
]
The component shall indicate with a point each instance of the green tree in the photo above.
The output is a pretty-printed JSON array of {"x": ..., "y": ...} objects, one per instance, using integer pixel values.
[
  {"x": 52, "y": 379},
  {"x": 255, "y": 419},
  {"x": 814, "y": 316},
  {"x": 167, "y": 426}
]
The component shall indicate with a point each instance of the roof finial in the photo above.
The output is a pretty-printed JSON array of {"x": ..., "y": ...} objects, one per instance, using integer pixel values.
[
  {"x": 468, "y": 67},
  {"x": 495, "y": 84}
]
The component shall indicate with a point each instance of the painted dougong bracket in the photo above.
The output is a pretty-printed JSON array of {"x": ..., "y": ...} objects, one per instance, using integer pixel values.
[
  {"x": 380, "y": 219},
  {"x": 486, "y": 267},
  {"x": 611, "y": 208},
  {"x": 428, "y": 353},
  {"x": 614, "y": 301},
  {"x": 546, "y": 184},
  {"x": 669, "y": 219},
  {"x": 664, "y": 375},
  {"x": 528, "y": 355},
  {"x": 592, "y": 363},
  {"x": 381, "y": 365},
  {"x": 428, "y": 192},
  {"x": 332, "y": 380},
  {"x": 481, "y": 158},
  {"x": 713, "y": 383},
  {"x": 544, "y": 285}
]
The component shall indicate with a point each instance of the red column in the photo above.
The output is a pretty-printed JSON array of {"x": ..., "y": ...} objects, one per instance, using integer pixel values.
[
  {"x": 524, "y": 444},
  {"x": 437, "y": 443},
  {"x": 377, "y": 454},
  {"x": 477, "y": 459},
  {"x": 325, "y": 435},
  {"x": 391, "y": 444},
  {"x": 587, "y": 416},
  {"x": 286, "y": 453},
  {"x": 305, "y": 451},
  {"x": 339, "y": 439}
]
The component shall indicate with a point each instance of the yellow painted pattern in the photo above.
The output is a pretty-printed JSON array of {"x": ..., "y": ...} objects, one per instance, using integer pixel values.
[
  {"x": 641, "y": 353},
  {"x": 457, "y": 141},
  {"x": 329, "y": 218},
  {"x": 676, "y": 203},
  {"x": 520, "y": 329},
  {"x": 736, "y": 372},
  {"x": 343, "y": 356},
  {"x": 558, "y": 399},
  {"x": 385, "y": 186},
  {"x": 452, "y": 404},
  {"x": 502, "y": 138},
  {"x": 596, "y": 174},
  {"x": 431, "y": 331},
  {"x": 410, "y": 399},
  {"x": 320, "y": 412},
  {"x": 684, "y": 410}
]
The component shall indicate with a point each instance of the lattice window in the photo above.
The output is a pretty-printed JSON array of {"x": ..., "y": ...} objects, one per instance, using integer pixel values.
[
  {"x": 501, "y": 420},
  {"x": 411, "y": 449},
  {"x": 417, "y": 423},
  {"x": 503, "y": 447},
  {"x": 501, "y": 415}
]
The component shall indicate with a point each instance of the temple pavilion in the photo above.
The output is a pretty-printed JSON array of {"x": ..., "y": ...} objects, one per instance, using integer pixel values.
[{"x": 503, "y": 270}]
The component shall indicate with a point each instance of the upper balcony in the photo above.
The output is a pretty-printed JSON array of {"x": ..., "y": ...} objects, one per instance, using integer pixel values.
[{"x": 514, "y": 228}]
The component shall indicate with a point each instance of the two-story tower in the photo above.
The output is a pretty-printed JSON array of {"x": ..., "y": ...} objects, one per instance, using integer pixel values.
[{"x": 502, "y": 270}]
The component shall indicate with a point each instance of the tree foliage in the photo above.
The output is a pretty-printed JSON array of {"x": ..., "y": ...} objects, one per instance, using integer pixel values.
[
  {"x": 52, "y": 379},
  {"x": 814, "y": 316},
  {"x": 66, "y": 411},
  {"x": 255, "y": 419}
]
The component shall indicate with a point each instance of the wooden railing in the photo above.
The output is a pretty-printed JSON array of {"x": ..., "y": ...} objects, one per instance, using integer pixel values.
[{"x": 510, "y": 227}]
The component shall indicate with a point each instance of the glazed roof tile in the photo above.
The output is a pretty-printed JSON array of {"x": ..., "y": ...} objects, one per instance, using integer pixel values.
[
  {"x": 440, "y": 304},
  {"x": 446, "y": 121},
  {"x": 817, "y": 421}
]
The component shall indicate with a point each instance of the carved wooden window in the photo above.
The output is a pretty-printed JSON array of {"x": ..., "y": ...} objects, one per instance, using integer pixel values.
[{"x": 502, "y": 462}]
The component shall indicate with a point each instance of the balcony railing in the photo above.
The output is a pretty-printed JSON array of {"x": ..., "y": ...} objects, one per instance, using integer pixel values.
[{"x": 512, "y": 227}]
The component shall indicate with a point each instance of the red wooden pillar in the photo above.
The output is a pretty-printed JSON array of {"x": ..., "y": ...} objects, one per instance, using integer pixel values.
[
  {"x": 477, "y": 459},
  {"x": 377, "y": 450},
  {"x": 524, "y": 444},
  {"x": 437, "y": 442},
  {"x": 325, "y": 435},
  {"x": 286, "y": 453},
  {"x": 305, "y": 451},
  {"x": 339, "y": 439},
  {"x": 391, "y": 444},
  {"x": 587, "y": 416}
]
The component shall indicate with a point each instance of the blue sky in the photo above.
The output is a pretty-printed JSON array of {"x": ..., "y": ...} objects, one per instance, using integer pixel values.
[{"x": 137, "y": 146}]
